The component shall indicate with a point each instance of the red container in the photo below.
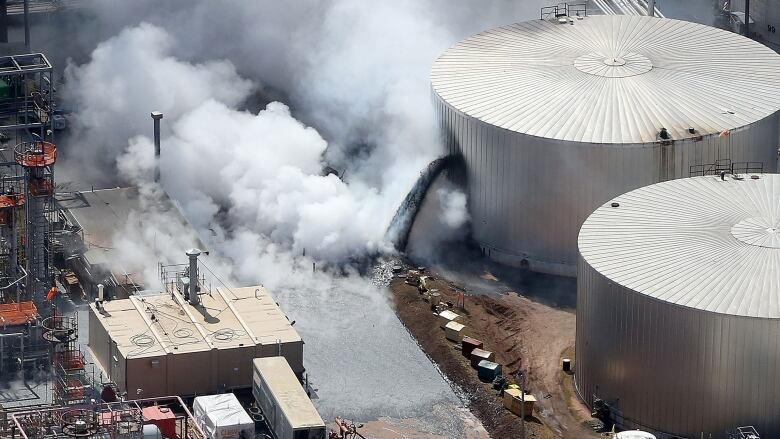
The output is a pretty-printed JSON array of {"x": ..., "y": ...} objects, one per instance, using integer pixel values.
[
  {"x": 163, "y": 418},
  {"x": 469, "y": 344}
]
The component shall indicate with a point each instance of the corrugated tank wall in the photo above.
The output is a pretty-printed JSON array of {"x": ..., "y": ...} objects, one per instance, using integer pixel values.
[
  {"x": 673, "y": 369},
  {"x": 767, "y": 17},
  {"x": 528, "y": 196}
]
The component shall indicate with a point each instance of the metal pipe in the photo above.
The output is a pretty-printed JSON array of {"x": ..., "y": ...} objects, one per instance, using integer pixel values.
[
  {"x": 27, "y": 24},
  {"x": 193, "y": 274},
  {"x": 3, "y": 21},
  {"x": 747, "y": 18},
  {"x": 14, "y": 243},
  {"x": 522, "y": 403},
  {"x": 156, "y": 116},
  {"x": 651, "y": 8},
  {"x": 100, "y": 292}
]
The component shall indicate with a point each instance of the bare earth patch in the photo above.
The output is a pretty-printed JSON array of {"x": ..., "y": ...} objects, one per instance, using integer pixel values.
[{"x": 525, "y": 335}]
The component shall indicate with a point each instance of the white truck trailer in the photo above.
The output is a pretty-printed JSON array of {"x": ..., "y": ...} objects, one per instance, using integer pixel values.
[{"x": 285, "y": 405}]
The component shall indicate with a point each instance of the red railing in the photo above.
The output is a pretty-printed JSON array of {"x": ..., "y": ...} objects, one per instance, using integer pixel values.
[
  {"x": 35, "y": 154},
  {"x": 17, "y": 313}
]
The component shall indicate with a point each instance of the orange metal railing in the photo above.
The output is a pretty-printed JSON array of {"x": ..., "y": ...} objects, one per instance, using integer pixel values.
[
  {"x": 35, "y": 155},
  {"x": 17, "y": 313}
]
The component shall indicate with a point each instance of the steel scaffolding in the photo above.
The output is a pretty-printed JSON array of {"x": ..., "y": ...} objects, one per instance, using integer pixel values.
[
  {"x": 69, "y": 386},
  {"x": 37, "y": 159},
  {"x": 123, "y": 419},
  {"x": 27, "y": 207}
]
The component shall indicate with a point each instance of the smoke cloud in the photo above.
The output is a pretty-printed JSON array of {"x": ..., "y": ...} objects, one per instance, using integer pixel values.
[{"x": 247, "y": 171}]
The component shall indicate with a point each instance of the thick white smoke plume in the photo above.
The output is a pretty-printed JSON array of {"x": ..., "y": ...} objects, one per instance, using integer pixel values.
[
  {"x": 263, "y": 169},
  {"x": 249, "y": 176}
]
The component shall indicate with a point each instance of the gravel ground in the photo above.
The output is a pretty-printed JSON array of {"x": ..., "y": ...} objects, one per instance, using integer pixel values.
[
  {"x": 364, "y": 364},
  {"x": 526, "y": 336}
]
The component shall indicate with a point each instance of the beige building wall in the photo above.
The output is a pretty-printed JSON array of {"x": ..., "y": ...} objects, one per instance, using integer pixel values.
[
  {"x": 99, "y": 341},
  {"x": 147, "y": 374},
  {"x": 190, "y": 373}
]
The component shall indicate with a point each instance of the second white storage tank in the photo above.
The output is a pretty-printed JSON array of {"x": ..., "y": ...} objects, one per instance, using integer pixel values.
[{"x": 678, "y": 311}]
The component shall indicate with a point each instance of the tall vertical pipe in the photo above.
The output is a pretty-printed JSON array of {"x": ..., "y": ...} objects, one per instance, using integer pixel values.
[
  {"x": 14, "y": 243},
  {"x": 193, "y": 274},
  {"x": 651, "y": 8},
  {"x": 747, "y": 18},
  {"x": 27, "y": 24},
  {"x": 3, "y": 21},
  {"x": 156, "y": 116}
]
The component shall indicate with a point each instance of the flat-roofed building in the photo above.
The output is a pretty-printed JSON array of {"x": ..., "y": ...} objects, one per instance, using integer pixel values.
[{"x": 155, "y": 345}]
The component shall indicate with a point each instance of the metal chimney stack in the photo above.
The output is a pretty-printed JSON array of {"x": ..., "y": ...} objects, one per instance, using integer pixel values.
[
  {"x": 651, "y": 8},
  {"x": 156, "y": 116},
  {"x": 193, "y": 274}
]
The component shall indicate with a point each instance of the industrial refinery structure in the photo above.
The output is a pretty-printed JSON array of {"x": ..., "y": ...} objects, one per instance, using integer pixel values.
[
  {"x": 27, "y": 211},
  {"x": 554, "y": 117},
  {"x": 168, "y": 418},
  {"x": 27, "y": 207},
  {"x": 677, "y": 309}
]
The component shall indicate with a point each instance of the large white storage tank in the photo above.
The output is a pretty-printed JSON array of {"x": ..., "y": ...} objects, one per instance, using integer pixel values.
[
  {"x": 678, "y": 311},
  {"x": 553, "y": 119}
]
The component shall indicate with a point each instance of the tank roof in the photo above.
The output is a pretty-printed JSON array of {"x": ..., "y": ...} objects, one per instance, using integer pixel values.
[
  {"x": 610, "y": 79},
  {"x": 701, "y": 242}
]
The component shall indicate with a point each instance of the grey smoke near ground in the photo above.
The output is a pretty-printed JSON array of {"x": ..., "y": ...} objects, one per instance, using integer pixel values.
[{"x": 355, "y": 75}]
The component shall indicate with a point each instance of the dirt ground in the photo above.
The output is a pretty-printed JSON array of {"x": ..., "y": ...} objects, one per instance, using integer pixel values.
[{"x": 527, "y": 336}]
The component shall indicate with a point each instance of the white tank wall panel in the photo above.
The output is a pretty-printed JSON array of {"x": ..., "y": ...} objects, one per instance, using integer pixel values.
[
  {"x": 767, "y": 21},
  {"x": 528, "y": 196},
  {"x": 678, "y": 316},
  {"x": 672, "y": 369},
  {"x": 548, "y": 132}
]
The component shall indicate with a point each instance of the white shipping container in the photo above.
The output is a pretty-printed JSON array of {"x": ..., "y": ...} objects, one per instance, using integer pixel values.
[
  {"x": 448, "y": 316},
  {"x": 222, "y": 417},
  {"x": 288, "y": 410}
]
